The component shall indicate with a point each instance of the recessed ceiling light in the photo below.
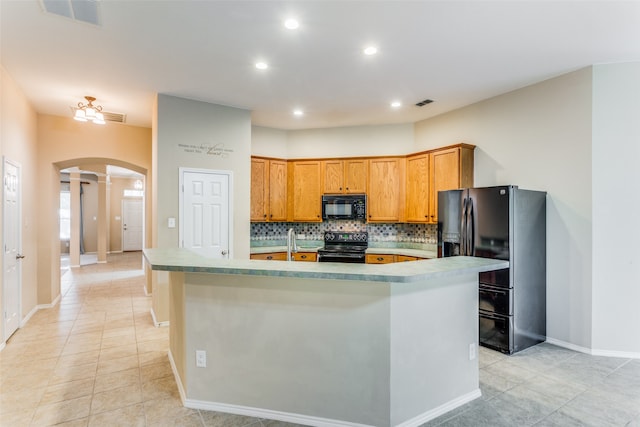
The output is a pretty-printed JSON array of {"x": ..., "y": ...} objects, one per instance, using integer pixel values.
[
  {"x": 261, "y": 65},
  {"x": 291, "y": 24},
  {"x": 370, "y": 50},
  {"x": 298, "y": 113},
  {"x": 396, "y": 104}
]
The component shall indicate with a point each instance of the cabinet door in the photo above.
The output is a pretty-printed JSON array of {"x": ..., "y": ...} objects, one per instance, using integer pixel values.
[
  {"x": 333, "y": 173},
  {"x": 445, "y": 171},
  {"x": 380, "y": 259},
  {"x": 355, "y": 176},
  {"x": 418, "y": 188},
  {"x": 273, "y": 256},
  {"x": 386, "y": 189},
  {"x": 305, "y": 256},
  {"x": 259, "y": 189},
  {"x": 305, "y": 187},
  {"x": 277, "y": 190}
]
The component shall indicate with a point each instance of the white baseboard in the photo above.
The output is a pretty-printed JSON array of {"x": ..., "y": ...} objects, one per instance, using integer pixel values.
[
  {"x": 594, "y": 352},
  {"x": 53, "y": 303},
  {"x": 269, "y": 414},
  {"x": 442, "y": 409},
  {"x": 33, "y": 311},
  {"x": 306, "y": 419},
  {"x": 155, "y": 321},
  {"x": 183, "y": 395},
  {"x": 146, "y": 294},
  {"x": 2, "y": 345}
]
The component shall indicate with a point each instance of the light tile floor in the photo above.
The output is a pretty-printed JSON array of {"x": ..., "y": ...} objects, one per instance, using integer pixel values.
[{"x": 96, "y": 359}]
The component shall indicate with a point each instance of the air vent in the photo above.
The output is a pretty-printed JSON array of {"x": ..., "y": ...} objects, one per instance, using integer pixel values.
[
  {"x": 114, "y": 117},
  {"x": 423, "y": 103},
  {"x": 78, "y": 10}
]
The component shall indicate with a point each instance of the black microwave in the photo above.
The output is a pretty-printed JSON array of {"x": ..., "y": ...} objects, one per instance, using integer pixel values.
[{"x": 342, "y": 206}]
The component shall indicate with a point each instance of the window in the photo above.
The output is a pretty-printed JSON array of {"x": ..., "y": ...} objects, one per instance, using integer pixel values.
[
  {"x": 133, "y": 193},
  {"x": 65, "y": 215}
]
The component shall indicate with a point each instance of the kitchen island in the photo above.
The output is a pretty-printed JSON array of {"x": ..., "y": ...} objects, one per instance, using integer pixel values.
[{"x": 321, "y": 343}]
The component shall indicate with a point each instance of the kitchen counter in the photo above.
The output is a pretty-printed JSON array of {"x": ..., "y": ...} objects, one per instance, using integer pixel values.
[
  {"x": 324, "y": 344},
  {"x": 180, "y": 259}
]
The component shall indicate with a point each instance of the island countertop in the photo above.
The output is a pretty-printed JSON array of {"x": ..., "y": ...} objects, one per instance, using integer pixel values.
[{"x": 184, "y": 260}]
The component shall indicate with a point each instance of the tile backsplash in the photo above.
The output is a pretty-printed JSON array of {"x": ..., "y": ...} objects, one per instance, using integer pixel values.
[{"x": 391, "y": 232}]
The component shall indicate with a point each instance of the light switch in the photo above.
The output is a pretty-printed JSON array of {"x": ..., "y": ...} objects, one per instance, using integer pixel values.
[
  {"x": 117, "y": 218},
  {"x": 171, "y": 223}
]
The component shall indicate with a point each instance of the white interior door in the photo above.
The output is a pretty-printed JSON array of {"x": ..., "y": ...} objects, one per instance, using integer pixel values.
[
  {"x": 12, "y": 246},
  {"x": 205, "y": 222},
  {"x": 132, "y": 224}
]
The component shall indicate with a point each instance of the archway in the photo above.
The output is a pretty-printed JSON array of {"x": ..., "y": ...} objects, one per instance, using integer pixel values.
[{"x": 103, "y": 221}]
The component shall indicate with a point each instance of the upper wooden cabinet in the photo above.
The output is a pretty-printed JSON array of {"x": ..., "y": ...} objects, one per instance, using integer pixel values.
[
  {"x": 385, "y": 201},
  {"x": 451, "y": 168},
  {"x": 427, "y": 173},
  {"x": 305, "y": 191},
  {"x": 268, "y": 189},
  {"x": 418, "y": 184},
  {"x": 345, "y": 176}
]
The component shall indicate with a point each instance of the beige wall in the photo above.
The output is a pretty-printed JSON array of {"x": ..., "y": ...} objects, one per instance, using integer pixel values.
[
  {"x": 539, "y": 138},
  {"x": 62, "y": 143},
  {"x": 18, "y": 143},
  {"x": 354, "y": 141}
]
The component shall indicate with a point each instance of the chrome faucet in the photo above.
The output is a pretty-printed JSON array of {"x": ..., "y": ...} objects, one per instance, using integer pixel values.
[{"x": 292, "y": 247}]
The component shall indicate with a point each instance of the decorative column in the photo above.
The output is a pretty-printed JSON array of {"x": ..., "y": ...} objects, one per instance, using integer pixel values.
[
  {"x": 103, "y": 237},
  {"x": 74, "y": 241}
]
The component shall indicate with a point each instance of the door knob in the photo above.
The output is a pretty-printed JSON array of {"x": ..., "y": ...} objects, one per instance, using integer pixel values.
[
  {"x": 18, "y": 256},
  {"x": 224, "y": 252}
]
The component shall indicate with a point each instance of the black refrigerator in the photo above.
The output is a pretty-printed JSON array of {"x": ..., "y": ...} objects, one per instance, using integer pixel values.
[{"x": 506, "y": 223}]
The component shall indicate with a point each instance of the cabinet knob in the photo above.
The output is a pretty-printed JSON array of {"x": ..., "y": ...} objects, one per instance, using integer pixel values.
[
  {"x": 269, "y": 257},
  {"x": 303, "y": 256},
  {"x": 379, "y": 258}
]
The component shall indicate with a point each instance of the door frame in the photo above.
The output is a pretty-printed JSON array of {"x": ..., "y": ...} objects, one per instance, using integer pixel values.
[
  {"x": 229, "y": 175},
  {"x": 18, "y": 166}
]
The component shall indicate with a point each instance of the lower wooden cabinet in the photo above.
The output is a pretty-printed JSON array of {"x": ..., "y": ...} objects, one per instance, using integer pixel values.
[
  {"x": 380, "y": 259},
  {"x": 282, "y": 256},
  {"x": 305, "y": 256},
  {"x": 389, "y": 258},
  {"x": 272, "y": 256}
]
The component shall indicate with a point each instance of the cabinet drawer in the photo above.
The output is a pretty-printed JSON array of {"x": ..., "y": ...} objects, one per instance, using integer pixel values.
[
  {"x": 305, "y": 256},
  {"x": 403, "y": 258},
  {"x": 273, "y": 256},
  {"x": 380, "y": 259}
]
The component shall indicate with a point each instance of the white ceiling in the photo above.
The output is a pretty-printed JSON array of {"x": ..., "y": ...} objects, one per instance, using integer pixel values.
[{"x": 454, "y": 52}]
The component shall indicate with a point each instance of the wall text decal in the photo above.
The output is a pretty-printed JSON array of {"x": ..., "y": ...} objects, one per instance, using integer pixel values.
[{"x": 207, "y": 149}]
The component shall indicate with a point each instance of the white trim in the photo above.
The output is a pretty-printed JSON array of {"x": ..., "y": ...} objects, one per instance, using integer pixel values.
[
  {"x": 51, "y": 305},
  {"x": 594, "y": 352},
  {"x": 183, "y": 395},
  {"x": 146, "y": 294},
  {"x": 269, "y": 414},
  {"x": 2, "y": 345},
  {"x": 115, "y": 252},
  {"x": 24, "y": 321},
  {"x": 442, "y": 409},
  {"x": 155, "y": 321}
]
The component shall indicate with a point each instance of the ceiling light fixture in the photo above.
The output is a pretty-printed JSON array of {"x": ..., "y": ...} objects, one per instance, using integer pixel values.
[
  {"x": 298, "y": 113},
  {"x": 261, "y": 65},
  {"x": 291, "y": 24},
  {"x": 371, "y": 50},
  {"x": 89, "y": 112},
  {"x": 396, "y": 104}
]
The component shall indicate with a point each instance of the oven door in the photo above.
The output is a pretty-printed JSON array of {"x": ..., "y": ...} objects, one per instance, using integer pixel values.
[
  {"x": 495, "y": 299},
  {"x": 496, "y": 332},
  {"x": 350, "y": 257}
]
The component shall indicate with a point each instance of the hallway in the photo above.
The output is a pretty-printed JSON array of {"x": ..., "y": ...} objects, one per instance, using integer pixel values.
[{"x": 96, "y": 359}]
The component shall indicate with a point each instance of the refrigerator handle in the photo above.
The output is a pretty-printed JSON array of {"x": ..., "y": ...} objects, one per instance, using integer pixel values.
[
  {"x": 463, "y": 228},
  {"x": 470, "y": 229}
]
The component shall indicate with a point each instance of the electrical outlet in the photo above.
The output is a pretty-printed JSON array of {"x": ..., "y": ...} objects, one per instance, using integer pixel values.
[
  {"x": 201, "y": 359},
  {"x": 472, "y": 351}
]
